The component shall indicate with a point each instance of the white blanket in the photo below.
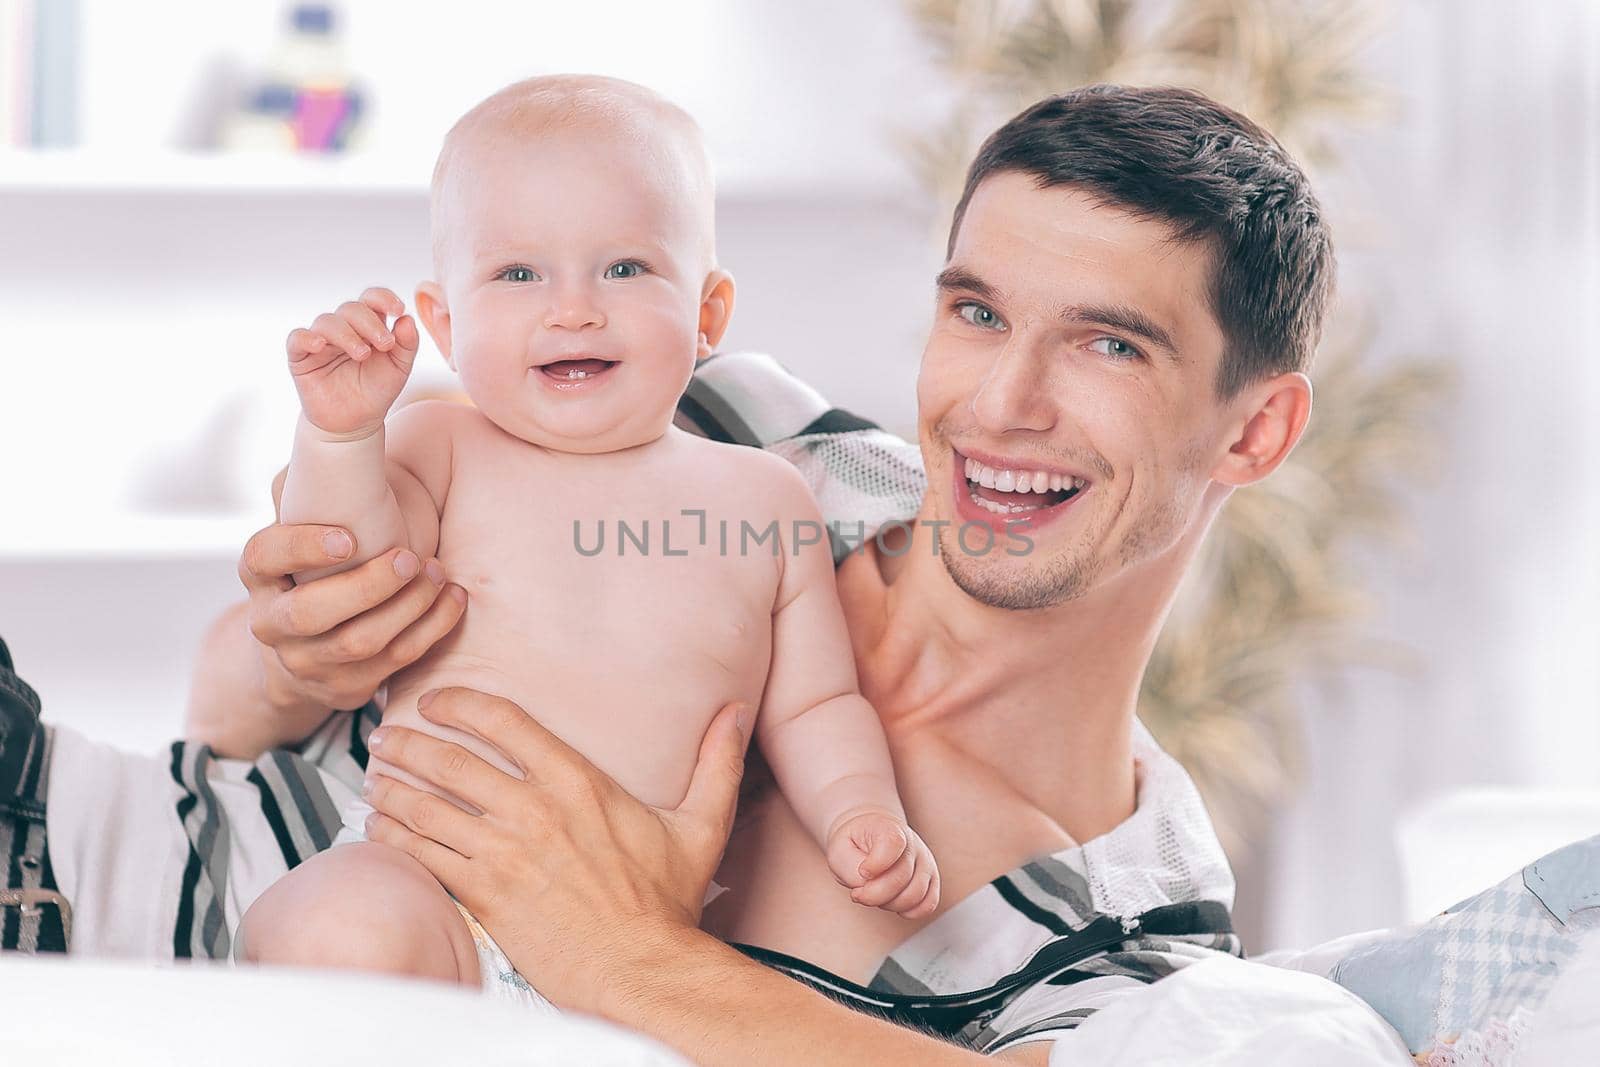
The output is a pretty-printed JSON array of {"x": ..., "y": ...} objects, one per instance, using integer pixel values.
[
  {"x": 1226, "y": 1011},
  {"x": 73, "y": 1012}
]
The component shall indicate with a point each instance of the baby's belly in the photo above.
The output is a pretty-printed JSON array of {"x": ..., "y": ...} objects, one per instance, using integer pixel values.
[{"x": 637, "y": 713}]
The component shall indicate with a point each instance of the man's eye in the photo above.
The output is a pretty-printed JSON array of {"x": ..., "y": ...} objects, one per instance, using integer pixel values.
[
  {"x": 628, "y": 268},
  {"x": 517, "y": 274},
  {"x": 979, "y": 316},
  {"x": 1115, "y": 347}
]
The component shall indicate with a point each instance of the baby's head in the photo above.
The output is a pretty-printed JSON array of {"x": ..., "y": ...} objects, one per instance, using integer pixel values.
[{"x": 575, "y": 277}]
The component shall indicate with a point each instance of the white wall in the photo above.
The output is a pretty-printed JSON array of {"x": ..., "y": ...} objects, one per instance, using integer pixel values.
[{"x": 1478, "y": 242}]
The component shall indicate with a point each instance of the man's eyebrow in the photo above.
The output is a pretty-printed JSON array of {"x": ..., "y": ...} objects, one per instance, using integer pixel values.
[
  {"x": 1124, "y": 318},
  {"x": 953, "y": 278}
]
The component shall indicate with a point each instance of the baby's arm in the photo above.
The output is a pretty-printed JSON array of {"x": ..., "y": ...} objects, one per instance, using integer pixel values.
[
  {"x": 383, "y": 484},
  {"x": 821, "y": 737}
]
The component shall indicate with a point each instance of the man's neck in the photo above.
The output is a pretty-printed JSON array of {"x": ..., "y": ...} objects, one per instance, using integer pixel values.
[{"x": 1043, "y": 698}]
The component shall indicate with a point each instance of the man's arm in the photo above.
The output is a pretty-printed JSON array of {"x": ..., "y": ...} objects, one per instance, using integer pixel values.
[
  {"x": 269, "y": 671},
  {"x": 717, "y": 1006},
  {"x": 231, "y": 707},
  {"x": 595, "y": 896}
]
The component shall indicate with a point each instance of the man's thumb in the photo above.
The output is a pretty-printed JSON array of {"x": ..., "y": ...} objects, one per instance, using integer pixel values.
[{"x": 714, "y": 788}]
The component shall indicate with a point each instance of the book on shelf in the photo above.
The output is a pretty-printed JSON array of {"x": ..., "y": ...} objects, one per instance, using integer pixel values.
[{"x": 38, "y": 73}]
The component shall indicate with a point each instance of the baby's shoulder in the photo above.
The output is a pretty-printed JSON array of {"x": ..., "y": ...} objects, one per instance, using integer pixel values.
[
  {"x": 438, "y": 422},
  {"x": 431, "y": 415},
  {"x": 765, "y": 481}
]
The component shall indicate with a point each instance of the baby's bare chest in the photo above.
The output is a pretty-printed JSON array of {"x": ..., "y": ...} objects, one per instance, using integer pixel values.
[{"x": 627, "y": 577}]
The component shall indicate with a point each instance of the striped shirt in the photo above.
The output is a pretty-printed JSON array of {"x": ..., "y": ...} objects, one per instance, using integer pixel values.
[{"x": 160, "y": 856}]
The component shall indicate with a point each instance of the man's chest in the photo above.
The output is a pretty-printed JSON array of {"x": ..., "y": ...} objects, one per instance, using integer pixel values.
[{"x": 783, "y": 897}]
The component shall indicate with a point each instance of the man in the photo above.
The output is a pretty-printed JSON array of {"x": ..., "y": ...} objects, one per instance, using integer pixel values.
[{"x": 1135, "y": 283}]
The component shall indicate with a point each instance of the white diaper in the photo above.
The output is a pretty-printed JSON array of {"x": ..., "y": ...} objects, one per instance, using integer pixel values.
[{"x": 500, "y": 979}]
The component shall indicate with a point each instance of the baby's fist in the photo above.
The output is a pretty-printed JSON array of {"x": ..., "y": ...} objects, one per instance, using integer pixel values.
[
  {"x": 349, "y": 367},
  {"x": 884, "y": 864}
]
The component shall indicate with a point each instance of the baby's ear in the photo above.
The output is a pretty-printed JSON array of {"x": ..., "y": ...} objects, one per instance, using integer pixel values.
[
  {"x": 716, "y": 309},
  {"x": 435, "y": 316}
]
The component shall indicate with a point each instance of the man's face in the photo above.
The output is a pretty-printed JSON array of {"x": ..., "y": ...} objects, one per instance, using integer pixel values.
[{"x": 1073, "y": 350}]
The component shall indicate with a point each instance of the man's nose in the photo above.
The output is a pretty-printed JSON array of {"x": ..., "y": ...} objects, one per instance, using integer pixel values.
[
  {"x": 1012, "y": 395},
  {"x": 574, "y": 307}
]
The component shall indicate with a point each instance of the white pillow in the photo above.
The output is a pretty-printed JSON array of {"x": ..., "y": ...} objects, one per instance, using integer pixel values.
[
  {"x": 83, "y": 1011},
  {"x": 1226, "y": 1011}
]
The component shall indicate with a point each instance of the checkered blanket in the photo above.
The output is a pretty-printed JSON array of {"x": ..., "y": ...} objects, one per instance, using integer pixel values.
[{"x": 1459, "y": 987}]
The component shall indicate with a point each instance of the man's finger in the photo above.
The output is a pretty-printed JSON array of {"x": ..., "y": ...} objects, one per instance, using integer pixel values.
[
  {"x": 319, "y": 606},
  {"x": 441, "y": 616},
  {"x": 444, "y": 764},
  {"x": 714, "y": 788},
  {"x": 423, "y": 813},
  {"x": 451, "y": 868},
  {"x": 377, "y": 629},
  {"x": 276, "y": 552},
  {"x": 516, "y": 734}
]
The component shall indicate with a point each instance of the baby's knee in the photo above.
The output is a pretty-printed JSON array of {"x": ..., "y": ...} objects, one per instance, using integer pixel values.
[{"x": 358, "y": 907}]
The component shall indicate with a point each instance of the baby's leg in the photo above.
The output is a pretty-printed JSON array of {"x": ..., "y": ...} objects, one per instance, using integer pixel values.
[{"x": 361, "y": 906}]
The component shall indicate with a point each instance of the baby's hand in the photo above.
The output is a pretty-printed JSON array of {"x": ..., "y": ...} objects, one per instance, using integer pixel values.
[
  {"x": 349, "y": 368},
  {"x": 884, "y": 864}
]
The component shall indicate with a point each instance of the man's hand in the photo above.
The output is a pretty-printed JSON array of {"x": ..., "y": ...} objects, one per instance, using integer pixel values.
[
  {"x": 572, "y": 875},
  {"x": 331, "y": 643},
  {"x": 349, "y": 367}
]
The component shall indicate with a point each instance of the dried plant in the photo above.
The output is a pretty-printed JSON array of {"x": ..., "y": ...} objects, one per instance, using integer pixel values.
[{"x": 1272, "y": 602}]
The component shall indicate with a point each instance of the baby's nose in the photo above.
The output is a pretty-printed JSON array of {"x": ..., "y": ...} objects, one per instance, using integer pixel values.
[{"x": 574, "y": 309}]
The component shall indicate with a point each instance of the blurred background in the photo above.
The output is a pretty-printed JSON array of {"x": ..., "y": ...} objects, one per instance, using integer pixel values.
[{"x": 1385, "y": 675}]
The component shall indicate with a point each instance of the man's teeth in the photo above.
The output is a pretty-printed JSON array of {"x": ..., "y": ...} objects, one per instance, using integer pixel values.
[
  {"x": 1010, "y": 481},
  {"x": 577, "y": 375}
]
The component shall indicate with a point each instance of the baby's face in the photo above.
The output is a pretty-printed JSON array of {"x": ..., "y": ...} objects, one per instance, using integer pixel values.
[{"x": 574, "y": 266}]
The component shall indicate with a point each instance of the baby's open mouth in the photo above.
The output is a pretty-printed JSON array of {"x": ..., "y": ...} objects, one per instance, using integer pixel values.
[{"x": 576, "y": 370}]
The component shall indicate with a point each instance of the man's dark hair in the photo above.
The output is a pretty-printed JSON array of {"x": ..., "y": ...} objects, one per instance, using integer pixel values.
[{"x": 1211, "y": 174}]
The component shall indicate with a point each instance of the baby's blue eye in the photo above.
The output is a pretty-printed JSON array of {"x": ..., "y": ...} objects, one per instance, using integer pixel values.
[
  {"x": 628, "y": 268},
  {"x": 979, "y": 315},
  {"x": 518, "y": 274}
]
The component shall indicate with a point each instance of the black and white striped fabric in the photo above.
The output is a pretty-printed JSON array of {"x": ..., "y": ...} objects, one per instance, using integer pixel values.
[
  {"x": 1038, "y": 950},
  {"x": 160, "y": 857}
]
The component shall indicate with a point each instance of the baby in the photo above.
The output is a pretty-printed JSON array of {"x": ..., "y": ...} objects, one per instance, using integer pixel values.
[{"x": 576, "y": 289}]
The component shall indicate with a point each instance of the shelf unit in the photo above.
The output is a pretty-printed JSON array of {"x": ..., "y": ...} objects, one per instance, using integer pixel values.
[
  {"x": 132, "y": 536},
  {"x": 170, "y": 172},
  {"x": 100, "y": 171}
]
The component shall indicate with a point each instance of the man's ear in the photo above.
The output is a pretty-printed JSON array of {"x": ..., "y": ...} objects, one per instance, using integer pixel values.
[
  {"x": 716, "y": 308},
  {"x": 435, "y": 316},
  {"x": 1274, "y": 416}
]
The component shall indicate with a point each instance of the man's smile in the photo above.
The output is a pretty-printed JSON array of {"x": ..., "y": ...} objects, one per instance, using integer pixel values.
[{"x": 997, "y": 491}]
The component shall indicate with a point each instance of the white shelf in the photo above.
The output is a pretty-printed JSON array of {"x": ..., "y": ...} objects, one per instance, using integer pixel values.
[
  {"x": 117, "y": 536},
  {"x": 218, "y": 172},
  {"x": 105, "y": 172}
]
